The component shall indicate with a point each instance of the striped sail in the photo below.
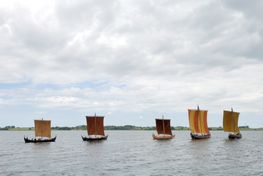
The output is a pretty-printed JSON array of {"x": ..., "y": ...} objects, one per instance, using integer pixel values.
[
  {"x": 230, "y": 121},
  {"x": 95, "y": 125},
  {"x": 43, "y": 128},
  {"x": 163, "y": 126},
  {"x": 198, "y": 121}
]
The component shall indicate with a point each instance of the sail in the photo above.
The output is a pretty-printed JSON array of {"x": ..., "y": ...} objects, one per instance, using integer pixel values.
[
  {"x": 95, "y": 125},
  {"x": 198, "y": 121},
  {"x": 193, "y": 121},
  {"x": 43, "y": 128},
  {"x": 163, "y": 126},
  {"x": 203, "y": 121},
  {"x": 230, "y": 121}
]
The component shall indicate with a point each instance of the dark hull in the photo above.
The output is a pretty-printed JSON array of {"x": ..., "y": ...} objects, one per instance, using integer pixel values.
[
  {"x": 84, "y": 138},
  {"x": 235, "y": 136},
  {"x": 34, "y": 140},
  {"x": 205, "y": 136},
  {"x": 167, "y": 137}
]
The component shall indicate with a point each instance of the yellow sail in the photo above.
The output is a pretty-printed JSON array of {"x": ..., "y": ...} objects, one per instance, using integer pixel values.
[
  {"x": 203, "y": 122},
  {"x": 230, "y": 121},
  {"x": 236, "y": 116},
  {"x": 43, "y": 128},
  {"x": 198, "y": 121},
  {"x": 192, "y": 114}
]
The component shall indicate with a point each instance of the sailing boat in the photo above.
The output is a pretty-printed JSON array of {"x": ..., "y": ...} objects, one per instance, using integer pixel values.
[
  {"x": 198, "y": 123},
  {"x": 163, "y": 129},
  {"x": 230, "y": 124},
  {"x": 42, "y": 132},
  {"x": 95, "y": 129}
]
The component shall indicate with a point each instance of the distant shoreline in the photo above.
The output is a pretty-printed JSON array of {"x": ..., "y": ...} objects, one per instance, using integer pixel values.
[{"x": 125, "y": 127}]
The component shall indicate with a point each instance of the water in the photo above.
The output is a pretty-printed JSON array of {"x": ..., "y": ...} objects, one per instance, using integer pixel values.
[{"x": 132, "y": 153}]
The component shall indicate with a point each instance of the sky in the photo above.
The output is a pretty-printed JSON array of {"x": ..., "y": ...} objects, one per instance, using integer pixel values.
[{"x": 130, "y": 60}]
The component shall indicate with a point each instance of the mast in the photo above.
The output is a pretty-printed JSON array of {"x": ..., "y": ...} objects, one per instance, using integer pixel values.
[
  {"x": 199, "y": 120},
  {"x": 234, "y": 116},
  {"x": 163, "y": 125},
  {"x": 96, "y": 131},
  {"x": 232, "y": 120},
  {"x": 42, "y": 130}
]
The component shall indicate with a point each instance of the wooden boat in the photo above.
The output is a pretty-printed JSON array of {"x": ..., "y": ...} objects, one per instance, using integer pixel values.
[
  {"x": 95, "y": 129},
  {"x": 42, "y": 132},
  {"x": 95, "y": 138},
  {"x": 235, "y": 136},
  {"x": 39, "y": 140},
  {"x": 163, "y": 129},
  {"x": 230, "y": 124},
  {"x": 200, "y": 136},
  {"x": 198, "y": 124}
]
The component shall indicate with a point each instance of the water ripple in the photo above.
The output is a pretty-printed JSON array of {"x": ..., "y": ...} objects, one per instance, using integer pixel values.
[{"x": 132, "y": 153}]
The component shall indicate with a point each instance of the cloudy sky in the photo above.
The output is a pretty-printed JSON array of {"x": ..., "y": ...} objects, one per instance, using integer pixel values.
[{"x": 130, "y": 60}]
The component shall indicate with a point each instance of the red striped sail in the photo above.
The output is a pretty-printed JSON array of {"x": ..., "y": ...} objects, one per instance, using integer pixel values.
[{"x": 163, "y": 126}]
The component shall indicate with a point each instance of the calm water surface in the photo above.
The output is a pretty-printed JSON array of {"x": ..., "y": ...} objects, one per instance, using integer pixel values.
[{"x": 132, "y": 153}]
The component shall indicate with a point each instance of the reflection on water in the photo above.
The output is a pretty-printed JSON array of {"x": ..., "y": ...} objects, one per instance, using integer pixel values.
[{"x": 132, "y": 153}]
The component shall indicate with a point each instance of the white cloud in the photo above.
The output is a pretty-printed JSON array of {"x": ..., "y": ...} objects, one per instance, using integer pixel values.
[{"x": 148, "y": 55}]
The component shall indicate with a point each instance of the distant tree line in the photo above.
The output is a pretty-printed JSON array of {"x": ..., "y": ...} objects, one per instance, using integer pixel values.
[
  {"x": 7, "y": 127},
  {"x": 125, "y": 127},
  {"x": 113, "y": 127}
]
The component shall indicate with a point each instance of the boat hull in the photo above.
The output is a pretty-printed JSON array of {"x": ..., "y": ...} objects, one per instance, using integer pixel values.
[
  {"x": 34, "y": 140},
  {"x": 196, "y": 136},
  {"x": 235, "y": 136},
  {"x": 163, "y": 137},
  {"x": 90, "y": 139}
]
